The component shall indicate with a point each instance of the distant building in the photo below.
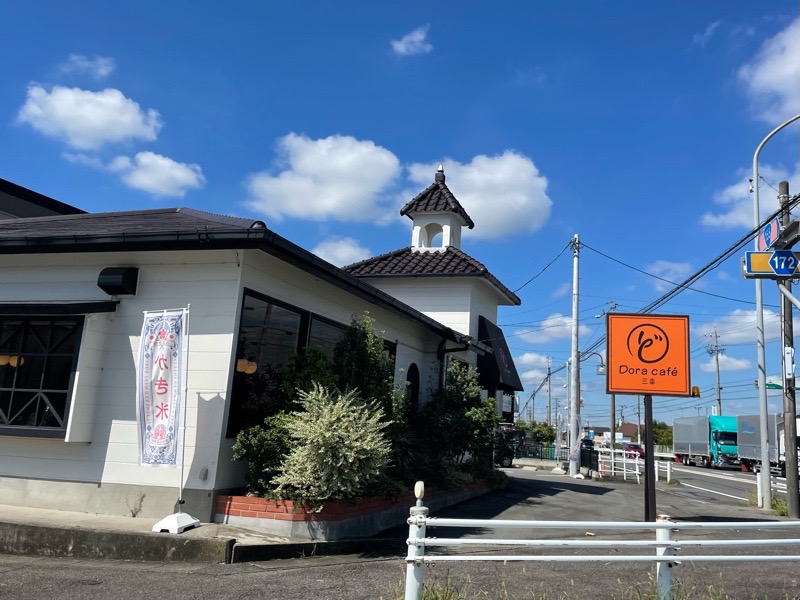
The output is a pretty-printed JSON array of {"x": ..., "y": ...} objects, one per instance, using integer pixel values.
[{"x": 629, "y": 431}]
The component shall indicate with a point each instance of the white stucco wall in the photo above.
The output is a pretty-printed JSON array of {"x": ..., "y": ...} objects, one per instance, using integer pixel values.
[
  {"x": 445, "y": 300},
  {"x": 96, "y": 467},
  {"x": 103, "y": 412}
]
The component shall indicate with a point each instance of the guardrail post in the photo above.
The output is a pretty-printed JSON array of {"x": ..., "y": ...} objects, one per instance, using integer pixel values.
[
  {"x": 669, "y": 471},
  {"x": 664, "y": 568},
  {"x": 415, "y": 568}
]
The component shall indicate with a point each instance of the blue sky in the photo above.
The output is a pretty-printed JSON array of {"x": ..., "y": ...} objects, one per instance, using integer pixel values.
[{"x": 630, "y": 123}]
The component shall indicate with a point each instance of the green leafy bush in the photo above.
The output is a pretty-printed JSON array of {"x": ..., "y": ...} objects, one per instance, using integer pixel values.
[
  {"x": 263, "y": 447},
  {"x": 339, "y": 449}
]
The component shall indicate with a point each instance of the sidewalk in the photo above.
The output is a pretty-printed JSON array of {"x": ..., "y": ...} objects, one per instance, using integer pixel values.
[{"x": 43, "y": 532}]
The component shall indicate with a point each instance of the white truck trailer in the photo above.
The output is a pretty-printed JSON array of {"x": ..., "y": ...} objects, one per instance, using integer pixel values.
[{"x": 749, "y": 435}]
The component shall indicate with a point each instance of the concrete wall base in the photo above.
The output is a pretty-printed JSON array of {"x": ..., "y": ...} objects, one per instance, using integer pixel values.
[{"x": 147, "y": 502}]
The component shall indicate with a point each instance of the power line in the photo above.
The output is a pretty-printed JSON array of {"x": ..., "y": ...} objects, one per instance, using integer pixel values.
[
  {"x": 547, "y": 266},
  {"x": 713, "y": 264}
]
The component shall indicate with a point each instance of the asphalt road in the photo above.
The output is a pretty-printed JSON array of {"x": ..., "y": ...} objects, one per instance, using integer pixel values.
[
  {"x": 725, "y": 482},
  {"x": 530, "y": 495}
]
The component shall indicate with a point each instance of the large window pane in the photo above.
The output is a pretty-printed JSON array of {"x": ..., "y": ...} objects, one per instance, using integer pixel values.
[
  {"x": 38, "y": 356},
  {"x": 267, "y": 335},
  {"x": 326, "y": 335}
]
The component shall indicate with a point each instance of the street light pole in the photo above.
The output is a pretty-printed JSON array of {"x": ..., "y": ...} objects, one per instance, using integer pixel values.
[{"x": 765, "y": 500}]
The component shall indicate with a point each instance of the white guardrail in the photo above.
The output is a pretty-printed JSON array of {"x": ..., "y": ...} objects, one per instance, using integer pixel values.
[
  {"x": 665, "y": 544},
  {"x": 620, "y": 463}
]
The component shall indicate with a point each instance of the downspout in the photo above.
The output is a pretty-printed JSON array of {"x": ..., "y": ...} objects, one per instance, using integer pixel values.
[
  {"x": 470, "y": 344},
  {"x": 441, "y": 355}
]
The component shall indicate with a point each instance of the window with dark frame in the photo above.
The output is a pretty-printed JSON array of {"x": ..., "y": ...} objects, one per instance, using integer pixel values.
[
  {"x": 269, "y": 332},
  {"x": 325, "y": 334},
  {"x": 38, "y": 360}
]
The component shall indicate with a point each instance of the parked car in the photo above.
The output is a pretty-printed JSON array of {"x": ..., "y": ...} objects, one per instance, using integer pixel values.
[
  {"x": 505, "y": 447},
  {"x": 632, "y": 450},
  {"x": 587, "y": 444}
]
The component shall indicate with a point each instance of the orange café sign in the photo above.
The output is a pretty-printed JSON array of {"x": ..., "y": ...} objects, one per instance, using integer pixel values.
[{"x": 648, "y": 354}]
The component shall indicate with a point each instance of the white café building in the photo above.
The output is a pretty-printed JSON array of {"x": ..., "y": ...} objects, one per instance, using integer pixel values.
[{"x": 73, "y": 290}]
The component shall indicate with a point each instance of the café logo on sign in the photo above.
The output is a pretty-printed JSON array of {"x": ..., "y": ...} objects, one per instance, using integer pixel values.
[{"x": 648, "y": 354}]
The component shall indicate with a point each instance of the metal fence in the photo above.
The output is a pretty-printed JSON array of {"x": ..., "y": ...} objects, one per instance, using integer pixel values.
[
  {"x": 543, "y": 451},
  {"x": 666, "y": 546}
]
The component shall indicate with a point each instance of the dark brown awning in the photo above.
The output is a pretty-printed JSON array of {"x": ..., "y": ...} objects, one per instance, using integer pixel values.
[{"x": 497, "y": 368}]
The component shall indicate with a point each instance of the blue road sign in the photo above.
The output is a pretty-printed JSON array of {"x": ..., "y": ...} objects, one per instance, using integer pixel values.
[
  {"x": 783, "y": 262},
  {"x": 772, "y": 264}
]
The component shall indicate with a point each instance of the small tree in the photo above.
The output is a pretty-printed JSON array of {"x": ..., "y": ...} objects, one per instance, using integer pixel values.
[
  {"x": 457, "y": 422},
  {"x": 340, "y": 447},
  {"x": 542, "y": 432},
  {"x": 361, "y": 362},
  {"x": 662, "y": 433}
]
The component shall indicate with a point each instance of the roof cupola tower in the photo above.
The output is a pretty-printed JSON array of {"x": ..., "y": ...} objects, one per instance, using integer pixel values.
[{"x": 437, "y": 217}]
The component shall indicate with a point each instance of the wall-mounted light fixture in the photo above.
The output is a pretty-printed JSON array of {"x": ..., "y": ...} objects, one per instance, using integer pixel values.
[{"x": 119, "y": 281}]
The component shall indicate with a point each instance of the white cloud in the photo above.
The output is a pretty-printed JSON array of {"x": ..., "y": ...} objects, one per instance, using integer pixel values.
[
  {"x": 157, "y": 175},
  {"x": 562, "y": 290},
  {"x": 554, "y": 327},
  {"x": 504, "y": 195},
  {"x": 739, "y": 327},
  {"x": 726, "y": 363},
  {"x": 736, "y": 200},
  {"x": 342, "y": 251},
  {"x": 532, "y": 359},
  {"x": 413, "y": 43},
  {"x": 532, "y": 378},
  {"x": 772, "y": 77},
  {"x": 79, "y": 158},
  {"x": 87, "y": 120},
  {"x": 97, "y": 67},
  {"x": 337, "y": 177},
  {"x": 671, "y": 271},
  {"x": 701, "y": 39}
]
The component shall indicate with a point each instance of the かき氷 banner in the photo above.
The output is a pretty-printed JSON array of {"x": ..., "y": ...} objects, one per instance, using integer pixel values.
[{"x": 159, "y": 386}]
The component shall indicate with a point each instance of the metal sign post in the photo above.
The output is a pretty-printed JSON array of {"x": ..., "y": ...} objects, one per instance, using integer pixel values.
[{"x": 649, "y": 355}]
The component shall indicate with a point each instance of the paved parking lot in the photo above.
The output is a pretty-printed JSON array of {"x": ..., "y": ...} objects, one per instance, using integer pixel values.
[{"x": 379, "y": 574}]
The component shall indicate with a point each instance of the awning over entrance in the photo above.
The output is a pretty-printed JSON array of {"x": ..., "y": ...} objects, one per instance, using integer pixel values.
[{"x": 497, "y": 371}]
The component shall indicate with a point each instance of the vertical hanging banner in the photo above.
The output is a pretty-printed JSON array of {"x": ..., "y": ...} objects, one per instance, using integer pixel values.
[{"x": 159, "y": 386}]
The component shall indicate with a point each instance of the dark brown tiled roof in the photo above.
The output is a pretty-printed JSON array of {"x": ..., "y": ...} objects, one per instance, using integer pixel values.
[
  {"x": 164, "y": 220},
  {"x": 436, "y": 198},
  {"x": 406, "y": 262},
  {"x": 190, "y": 229}
]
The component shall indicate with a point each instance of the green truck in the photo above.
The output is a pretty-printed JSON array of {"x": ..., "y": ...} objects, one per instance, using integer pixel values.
[{"x": 709, "y": 441}]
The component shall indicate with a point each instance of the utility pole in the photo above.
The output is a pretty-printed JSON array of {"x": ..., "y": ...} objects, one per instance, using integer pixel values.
[
  {"x": 789, "y": 402},
  {"x": 575, "y": 380},
  {"x": 638, "y": 418},
  {"x": 549, "y": 391},
  {"x": 714, "y": 350}
]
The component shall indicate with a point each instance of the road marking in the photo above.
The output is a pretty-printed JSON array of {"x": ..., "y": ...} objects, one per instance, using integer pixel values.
[
  {"x": 712, "y": 491},
  {"x": 715, "y": 475}
]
